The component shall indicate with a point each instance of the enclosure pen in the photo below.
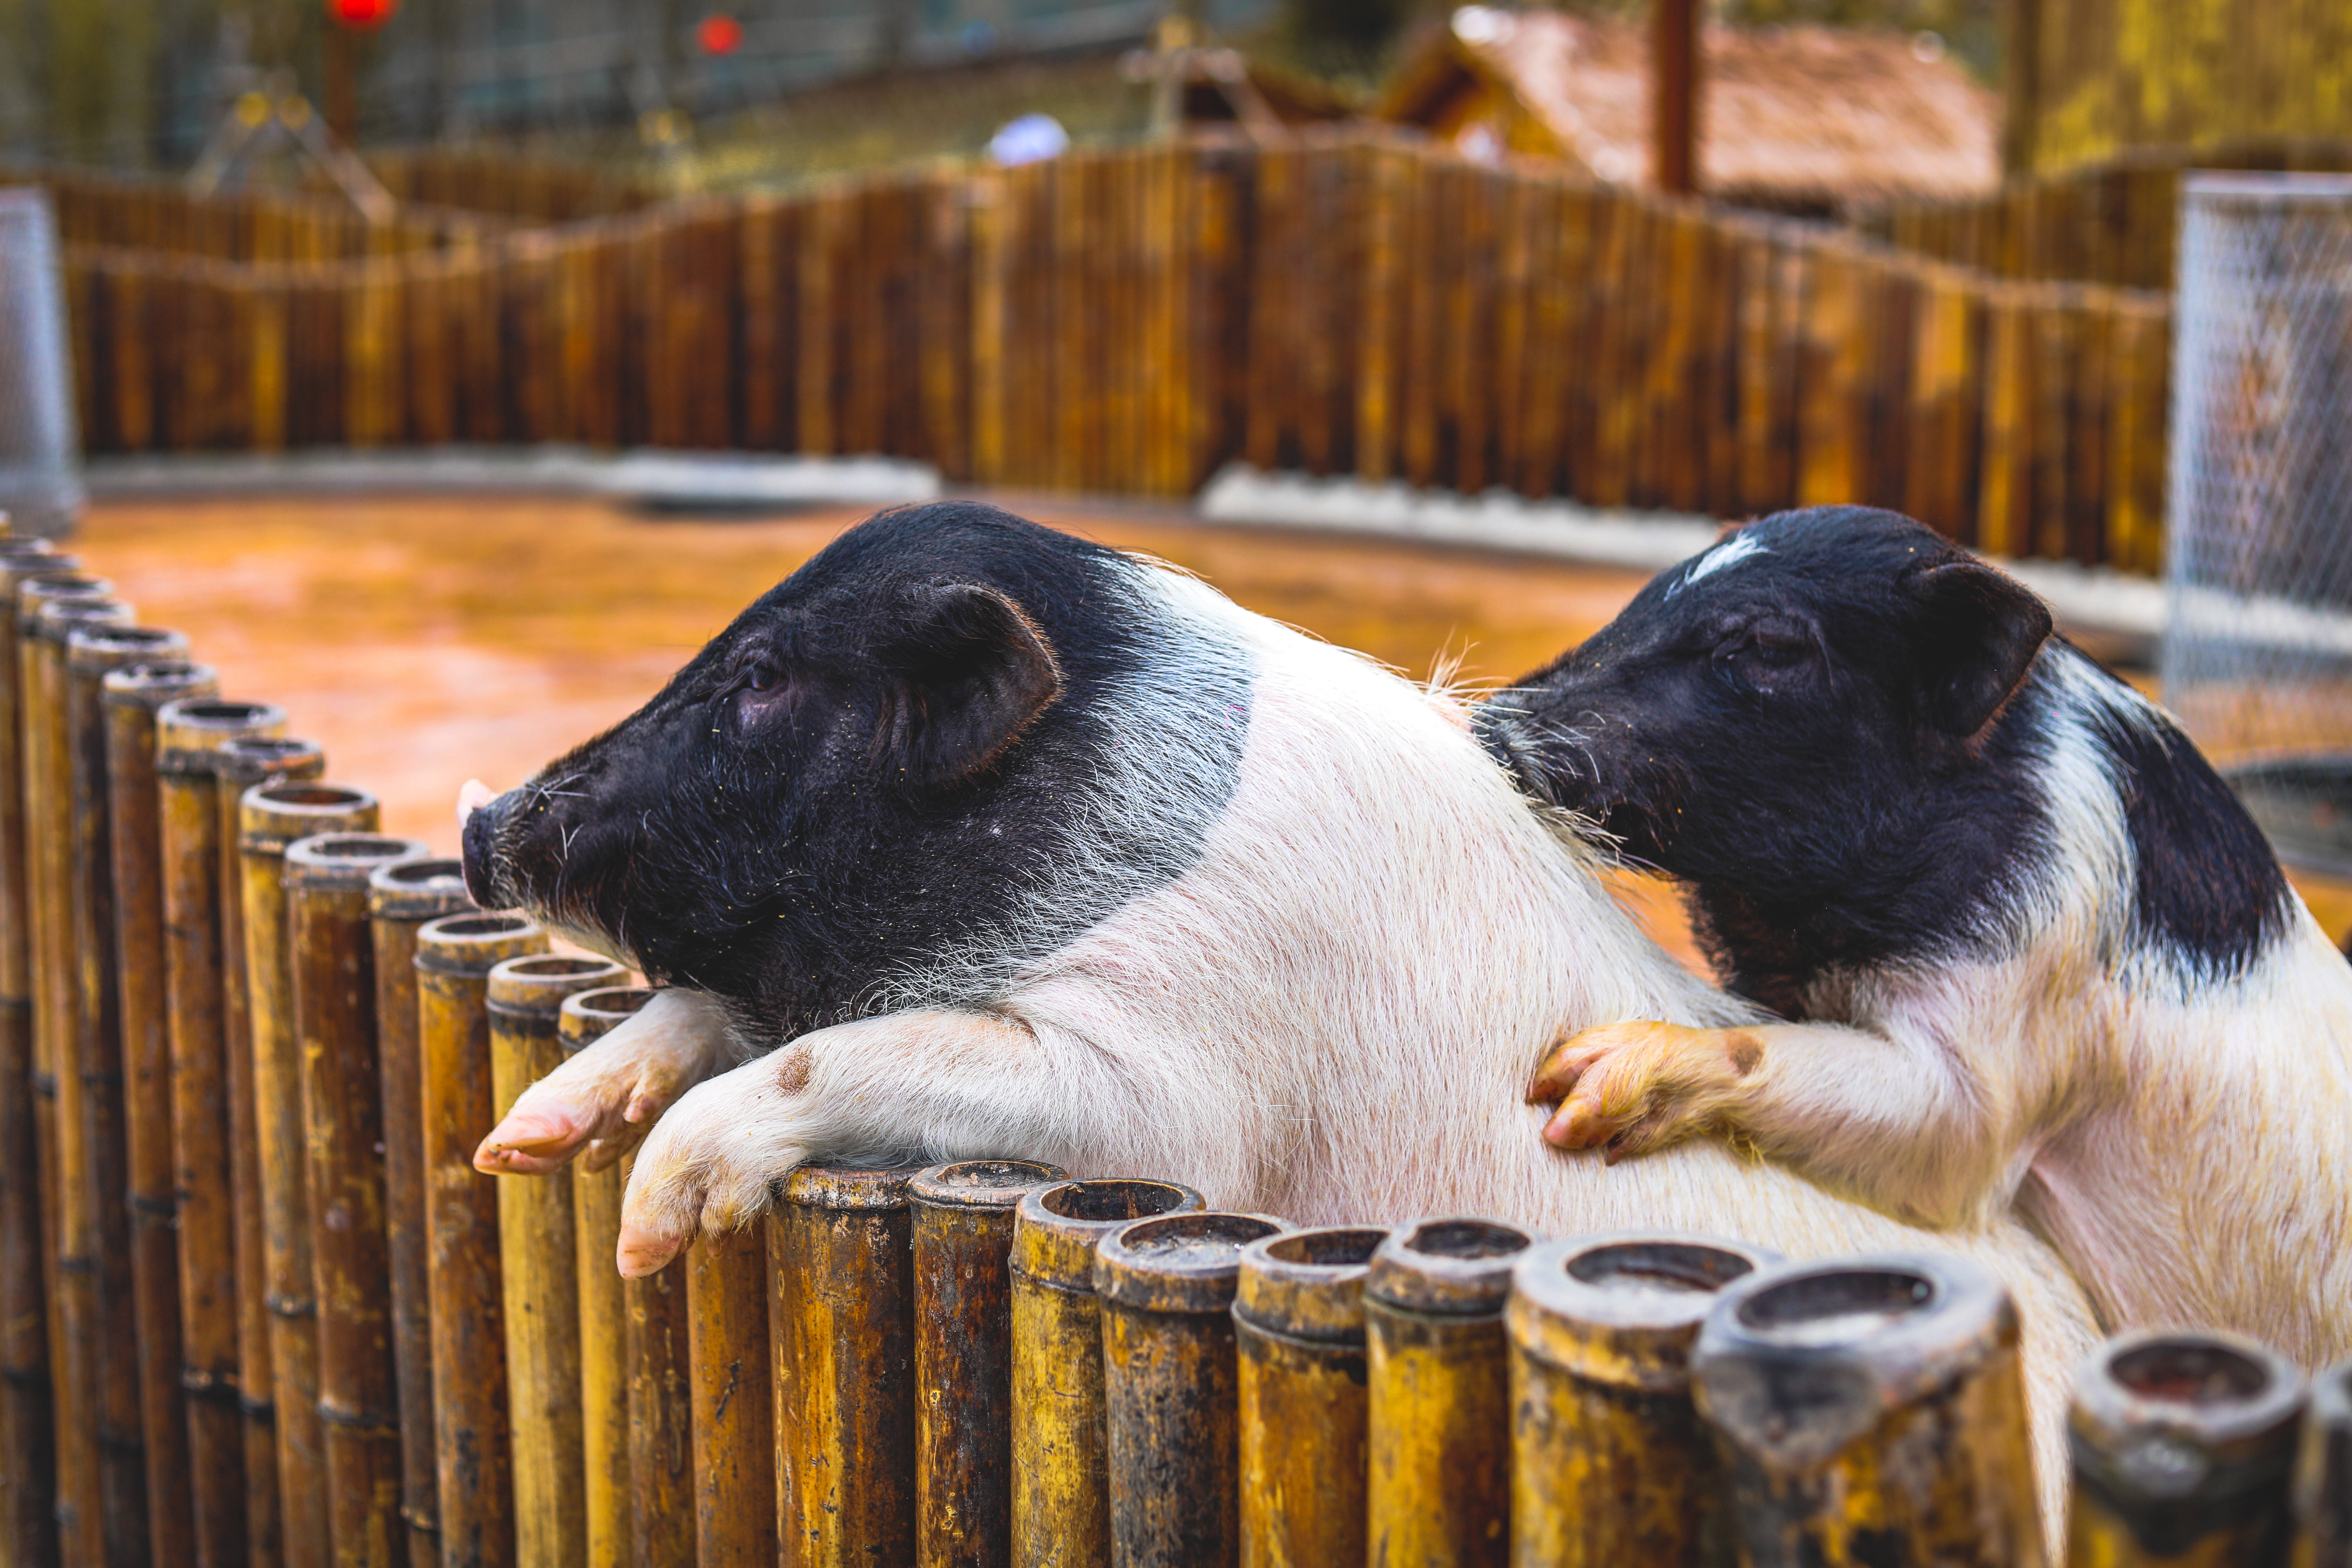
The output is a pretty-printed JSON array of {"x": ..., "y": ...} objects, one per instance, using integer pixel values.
[
  {"x": 586, "y": 1017},
  {"x": 961, "y": 1241},
  {"x": 272, "y": 815},
  {"x": 1600, "y": 1334},
  {"x": 1061, "y": 1479},
  {"x": 842, "y": 1356},
  {"x": 539, "y": 1264},
  {"x": 402, "y": 897},
  {"x": 138, "y": 671},
  {"x": 1299, "y": 1322},
  {"x": 28, "y": 1525},
  {"x": 330, "y": 944},
  {"x": 465, "y": 1301},
  {"x": 233, "y": 1477},
  {"x": 728, "y": 1383}
]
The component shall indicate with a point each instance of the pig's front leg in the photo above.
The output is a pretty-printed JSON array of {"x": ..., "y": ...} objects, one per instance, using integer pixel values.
[
  {"x": 604, "y": 1099},
  {"x": 943, "y": 1084},
  {"x": 1896, "y": 1122}
]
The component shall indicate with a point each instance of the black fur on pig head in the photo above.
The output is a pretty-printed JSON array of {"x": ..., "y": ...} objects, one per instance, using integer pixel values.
[
  {"x": 1805, "y": 722},
  {"x": 855, "y": 776}
]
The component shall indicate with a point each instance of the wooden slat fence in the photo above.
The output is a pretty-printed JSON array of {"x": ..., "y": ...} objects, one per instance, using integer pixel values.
[
  {"x": 162, "y": 218},
  {"x": 1129, "y": 320},
  {"x": 2111, "y": 223},
  {"x": 517, "y": 186}
]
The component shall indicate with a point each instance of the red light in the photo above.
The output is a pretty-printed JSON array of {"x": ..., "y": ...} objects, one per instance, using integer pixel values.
[
  {"x": 719, "y": 35},
  {"x": 362, "y": 16}
]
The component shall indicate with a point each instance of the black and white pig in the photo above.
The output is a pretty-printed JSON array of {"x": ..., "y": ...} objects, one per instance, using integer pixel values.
[
  {"x": 2032, "y": 950},
  {"x": 980, "y": 839}
]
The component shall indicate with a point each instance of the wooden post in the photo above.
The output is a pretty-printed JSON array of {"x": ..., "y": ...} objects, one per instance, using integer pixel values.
[
  {"x": 28, "y": 1458},
  {"x": 1439, "y": 1426},
  {"x": 238, "y": 763},
  {"x": 1872, "y": 1410},
  {"x": 661, "y": 1440},
  {"x": 1061, "y": 1481},
  {"x": 539, "y": 1270},
  {"x": 465, "y": 1295},
  {"x": 402, "y": 897},
  {"x": 2184, "y": 1449},
  {"x": 1601, "y": 1330},
  {"x": 962, "y": 1242},
  {"x": 270, "y": 816},
  {"x": 1673, "y": 93},
  {"x": 604, "y": 1367},
  {"x": 1298, "y": 1319},
  {"x": 1169, "y": 1376},
  {"x": 187, "y": 733},
  {"x": 331, "y": 955},
  {"x": 131, "y": 695},
  {"x": 729, "y": 1383},
  {"x": 842, "y": 1348}
]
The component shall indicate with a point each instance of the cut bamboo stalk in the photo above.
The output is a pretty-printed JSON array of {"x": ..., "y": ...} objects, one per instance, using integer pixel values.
[
  {"x": 539, "y": 1270},
  {"x": 270, "y": 816},
  {"x": 588, "y": 1016},
  {"x": 661, "y": 1438},
  {"x": 465, "y": 1299},
  {"x": 187, "y": 733},
  {"x": 402, "y": 897},
  {"x": 2322, "y": 1474},
  {"x": 130, "y": 695},
  {"x": 728, "y": 1377},
  {"x": 961, "y": 1239},
  {"x": 28, "y": 1455},
  {"x": 237, "y": 764},
  {"x": 332, "y": 957}
]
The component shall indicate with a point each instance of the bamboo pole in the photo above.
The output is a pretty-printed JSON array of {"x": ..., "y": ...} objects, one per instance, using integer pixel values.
[
  {"x": 330, "y": 954},
  {"x": 661, "y": 1439},
  {"x": 1299, "y": 1317},
  {"x": 1438, "y": 1422},
  {"x": 1610, "y": 1462},
  {"x": 131, "y": 695},
  {"x": 270, "y": 816},
  {"x": 240, "y": 762},
  {"x": 1169, "y": 1377},
  {"x": 402, "y": 897},
  {"x": 2184, "y": 1449},
  {"x": 539, "y": 1270},
  {"x": 1872, "y": 1411},
  {"x": 2322, "y": 1474},
  {"x": 604, "y": 1367},
  {"x": 29, "y": 1450},
  {"x": 961, "y": 1239},
  {"x": 842, "y": 1333},
  {"x": 1061, "y": 1483},
  {"x": 187, "y": 732},
  {"x": 733, "y": 1437},
  {"x": 464, "y": 1298}
]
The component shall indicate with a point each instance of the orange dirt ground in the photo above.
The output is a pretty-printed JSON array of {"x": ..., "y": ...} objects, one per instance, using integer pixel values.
[{"x": 426, "y": 640}]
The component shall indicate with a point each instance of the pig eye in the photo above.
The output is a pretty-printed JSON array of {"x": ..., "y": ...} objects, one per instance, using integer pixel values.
[
  {"x": 1778, "y": 649},
  {"x": 762, "y": 678}
]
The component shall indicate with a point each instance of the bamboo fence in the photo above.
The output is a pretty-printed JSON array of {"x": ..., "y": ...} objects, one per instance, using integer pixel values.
[{"x": 1131, "y": 319}]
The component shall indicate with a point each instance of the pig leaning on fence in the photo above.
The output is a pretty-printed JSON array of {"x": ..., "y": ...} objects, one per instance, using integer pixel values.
[
  {"x": 975, "y": 839},
  {"x": 2047, "y": 958}
]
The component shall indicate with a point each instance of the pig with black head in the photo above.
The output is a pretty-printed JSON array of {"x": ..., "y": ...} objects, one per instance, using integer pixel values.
[
  {"x": 973, "y": 839},
  {"x": 2031, "y": 949}
]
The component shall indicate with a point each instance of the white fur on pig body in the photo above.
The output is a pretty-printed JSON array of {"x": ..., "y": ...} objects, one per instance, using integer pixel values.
[{"x": 1331, "y": 1015}]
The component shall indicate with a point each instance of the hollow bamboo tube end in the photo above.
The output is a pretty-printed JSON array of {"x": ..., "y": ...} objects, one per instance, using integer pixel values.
[
  {"x": 52, "y": 585},
  {"x": 1624, "y": 1310},
  {"x": 2323, "y": 1475},
  {"x": 1309, "y": 1284},
  {"x": 188, "y": 732},
  {"x": 1055, "y": 1230},
  {"x": 345, "y": 861},
  {"x": 871, "y": 1189},
  {"x": 419, "y": 888},
  {"x": 2179, "y": 1438},
  {"x": 536, "y": 985},
  {"x": 1179, "y": 1262},
  {"x": 1453, "y": 1265},
  {"x": 588, "y": 1016},
  {"x": 249, "y": 760},
  {"x": 22, "y": 547},
  {"x": 151, "y": 685},
  {"x": 474, "y": 944},
  {"x": 97, "y": 649},
  {"x": 278, "y": 812},
  {"x": 981, "y": 1184},
  {"x": 58, "y": 619}
]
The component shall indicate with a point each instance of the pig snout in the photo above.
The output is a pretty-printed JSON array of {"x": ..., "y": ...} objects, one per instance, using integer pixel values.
[{"x": 480, "y": 815}]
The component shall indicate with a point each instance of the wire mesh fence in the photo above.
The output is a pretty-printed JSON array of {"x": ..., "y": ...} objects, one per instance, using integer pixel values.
[
  {"x": 2258, "y": 657},
  {"x": 40, "y": 478}
]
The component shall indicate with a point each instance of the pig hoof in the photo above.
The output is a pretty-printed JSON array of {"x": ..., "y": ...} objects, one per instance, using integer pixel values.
[
  {"x": 528, "y": 1143},
  {"x": 1633, "y": 1088},
  {"x": 644, "y": 1252}
]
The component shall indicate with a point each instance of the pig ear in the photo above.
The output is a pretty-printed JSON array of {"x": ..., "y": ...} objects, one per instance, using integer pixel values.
[
  {"x": 971, "y": 671},
  {"x": 1980, "y": 630}
]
